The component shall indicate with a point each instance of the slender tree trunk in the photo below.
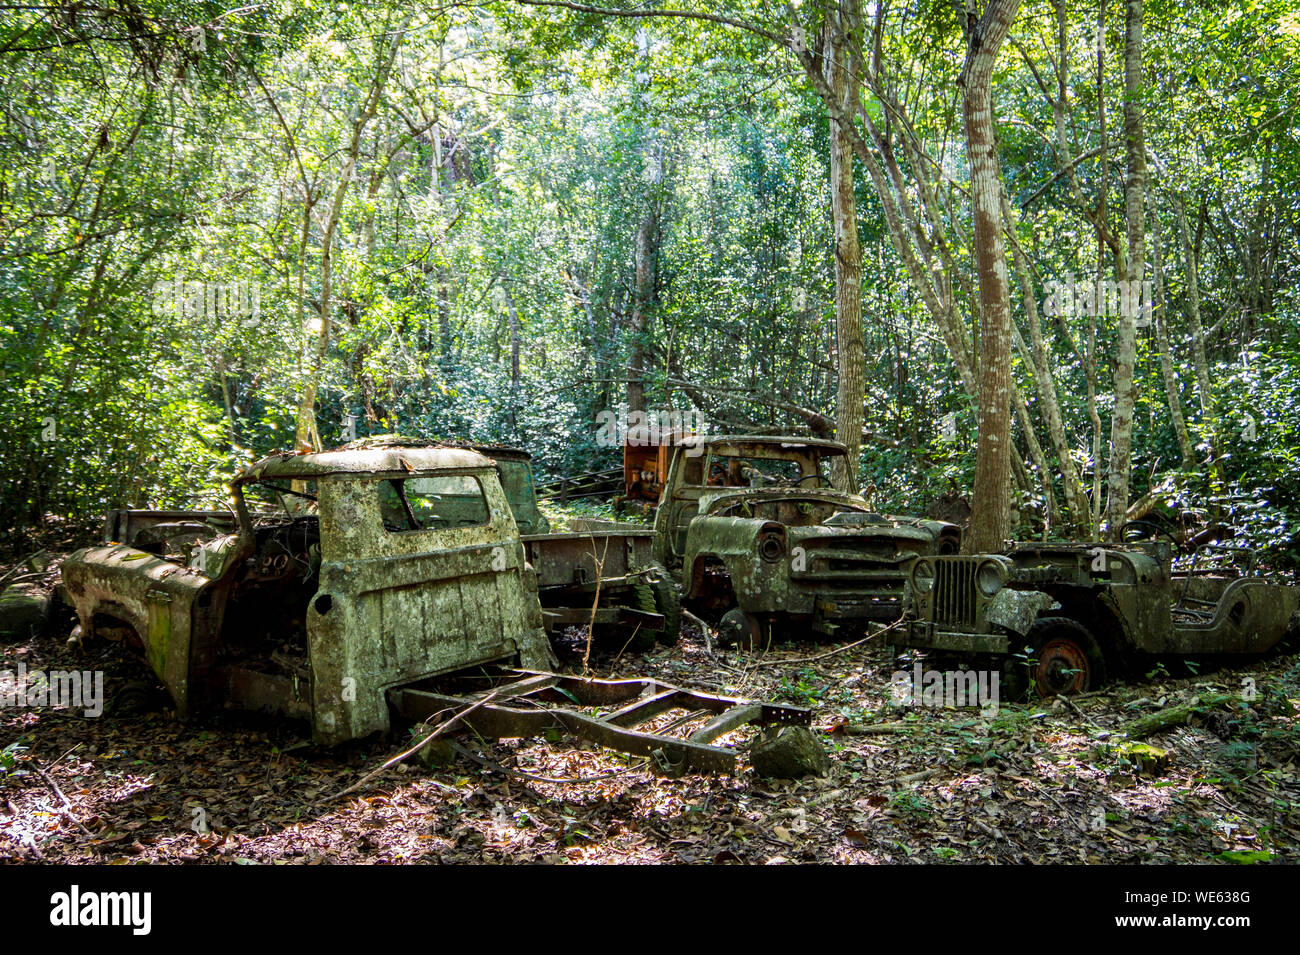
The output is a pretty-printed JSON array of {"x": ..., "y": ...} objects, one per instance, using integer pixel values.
[
  {"x": 1099, "y": 221},
  {"x": 307, "y": 435},
  {"x": 991, "y": 504},
  {"x": 1121, "y": 422},
  {"x": 1094, "y": 415},
  {"x": 1076, "y": 501},
  {"x": 1172, "y": 394},
  {"x": 513, "y": 316},
  {"x": 442, "y": 177},
  {"x": 841, "y": 76},
  {"x": 1191, "y": 265},
  {"x": 639, "y": 319}
]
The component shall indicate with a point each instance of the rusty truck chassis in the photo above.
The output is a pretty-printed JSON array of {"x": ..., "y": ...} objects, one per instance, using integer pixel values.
[{"x": 527, "y": 707}]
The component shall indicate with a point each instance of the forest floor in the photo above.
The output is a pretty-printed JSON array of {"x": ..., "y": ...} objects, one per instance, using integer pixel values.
[{"x": 1037, "y": 782}]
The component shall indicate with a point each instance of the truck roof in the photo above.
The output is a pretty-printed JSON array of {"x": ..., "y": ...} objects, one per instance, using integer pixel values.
[
  {"x": 399, "y": 458},
  {"x": 784, "y": 441},
  {"x": 402, "y": 441}
]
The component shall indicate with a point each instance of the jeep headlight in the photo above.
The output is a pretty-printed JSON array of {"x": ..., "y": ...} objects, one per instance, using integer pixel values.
[
  {"x": 922, "y": 575},
  {"x": 989, "y": 577}
]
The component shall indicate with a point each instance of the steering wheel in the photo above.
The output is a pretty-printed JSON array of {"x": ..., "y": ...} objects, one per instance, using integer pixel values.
[
  {"x": 1148, "y": 530},
  {"x": 822, "y": 478}
]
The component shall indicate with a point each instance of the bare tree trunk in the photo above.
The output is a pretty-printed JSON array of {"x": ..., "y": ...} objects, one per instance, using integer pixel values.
[
  {"x": 639, "y": 319},
  {"x": 1160, "y": 321},
  {"x": 1099, "y": 221},
  {"x": 513, "y": 316},
  {"x": 991, "y": 504},
  {"x": 841, "y": 76},
  {"x": 307, "y": 435},
  {"x": 1094, "y": 416},
  {"x": 1076, "y": 501},
  {"x": 1121, "y": 422}
]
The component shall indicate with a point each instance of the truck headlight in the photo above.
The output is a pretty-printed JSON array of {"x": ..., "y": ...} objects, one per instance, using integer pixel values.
[
  {"x": 771, "y": 544},
  {"x": 989, "y": 577},
  {"x": 922, "y": 575}
]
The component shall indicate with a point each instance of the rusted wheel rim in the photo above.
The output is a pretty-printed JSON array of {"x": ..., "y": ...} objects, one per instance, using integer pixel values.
[
  {"x": 1063, "y": 667},
  {"x": 742, "y": 631}
]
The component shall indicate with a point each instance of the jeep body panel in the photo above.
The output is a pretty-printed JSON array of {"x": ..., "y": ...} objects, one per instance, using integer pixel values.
[{"x": 1128, "y": 596}]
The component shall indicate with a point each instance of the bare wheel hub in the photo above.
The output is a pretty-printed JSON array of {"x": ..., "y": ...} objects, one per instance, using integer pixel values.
[{"x": 1063, "y": 667}]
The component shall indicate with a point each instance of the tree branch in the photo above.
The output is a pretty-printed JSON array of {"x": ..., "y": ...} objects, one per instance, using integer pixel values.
[{"x": 647, "y": 14}]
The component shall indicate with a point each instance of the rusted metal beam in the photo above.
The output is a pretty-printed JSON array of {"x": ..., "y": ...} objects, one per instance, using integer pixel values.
[{"x": 645, "y": 699}]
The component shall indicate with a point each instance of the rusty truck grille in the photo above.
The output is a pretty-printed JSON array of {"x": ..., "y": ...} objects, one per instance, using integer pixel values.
[{"x": 954, "y": 591}]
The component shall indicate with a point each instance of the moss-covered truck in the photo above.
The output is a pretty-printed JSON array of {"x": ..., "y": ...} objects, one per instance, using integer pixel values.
[
  {"x": 356, "y": 581},
  {"x": 1062, "y": 616},
  {"x": 378, "y": 569},
  {"x": 595, "y": 573},
  {"x": 755, "y": 533}
]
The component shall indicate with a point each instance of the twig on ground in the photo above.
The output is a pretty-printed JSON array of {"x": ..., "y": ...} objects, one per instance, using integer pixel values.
[
  {"x": 917, "y": 777},
  {"x": 442, "y": 728},
  {"x": 67, "y": 806},
  {"x": 704, "y": 629},
  {"x": 828, "y": 653},
  {"x": 1082, "y": 715},
  {"x": 25, "y": 562},
  {"x": 627, "y": 643},
  {"x": 869, "y": 729}
]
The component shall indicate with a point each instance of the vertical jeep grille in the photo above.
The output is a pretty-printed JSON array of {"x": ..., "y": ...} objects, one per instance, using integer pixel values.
[{"x": 954, "y": 591}]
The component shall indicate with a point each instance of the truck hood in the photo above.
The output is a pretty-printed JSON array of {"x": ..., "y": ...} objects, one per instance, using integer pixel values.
[
  {"x": 712, "y": 501},
  {"x": 860, "y": 518}
]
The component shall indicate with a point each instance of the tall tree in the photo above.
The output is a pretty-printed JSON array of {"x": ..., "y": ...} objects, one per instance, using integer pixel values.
[
  {"x": 307, "y": 435},
  {"x": 1133, "y": 267},
  {"x": 991, "y": 506},
  {"x": 841, "y": 52}
]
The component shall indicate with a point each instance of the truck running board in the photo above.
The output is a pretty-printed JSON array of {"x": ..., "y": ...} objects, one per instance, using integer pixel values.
[{"x": 528, "y": 707}]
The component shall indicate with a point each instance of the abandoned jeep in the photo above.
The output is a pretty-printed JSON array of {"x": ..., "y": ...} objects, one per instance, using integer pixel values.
[
  {"x": 1062, "y": 617},
  {"x": 753, "y": 529},
  {"x": 376, "y": 569}
]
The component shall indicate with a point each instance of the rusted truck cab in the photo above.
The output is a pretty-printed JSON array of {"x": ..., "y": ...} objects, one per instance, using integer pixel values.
[
  {"x": 1063, "y": 616},
  {"x": 753, "y": 529},
  {"x": 593, "y": 573},
  {"x": 379, "y": 568}
]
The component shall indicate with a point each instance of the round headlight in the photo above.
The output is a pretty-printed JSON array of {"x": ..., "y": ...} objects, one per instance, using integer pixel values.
[
  {"x": 771, "y": 545},
  {"x": 990, "y": 577},
  {"x": 922, "y": 575}
]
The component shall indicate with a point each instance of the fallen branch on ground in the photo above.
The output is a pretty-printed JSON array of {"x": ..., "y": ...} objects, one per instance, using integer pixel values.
[
  {"x": 828, "y": 653},
  {"x": 442, "y": 728},
  {"x": 67, "y": 806},
  {"x": 704, "y": 629},
  {"x": 1171, "y": 716},
  {"x": 871, "y": 729}
]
